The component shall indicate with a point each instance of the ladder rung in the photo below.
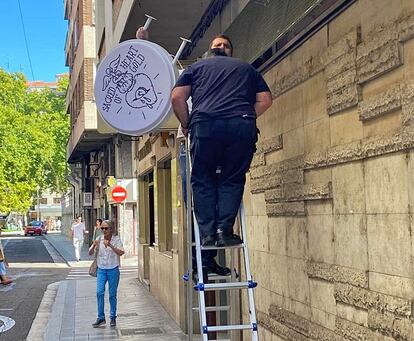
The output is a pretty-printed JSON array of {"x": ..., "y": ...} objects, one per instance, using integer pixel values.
[
  {"x": 215, "y": 308},
  {"x": 215, "y": 277},
  {"x": 228, "y": 286},
  {"x": 238, "y": 246},
  {"x": 229, "y": 327}
]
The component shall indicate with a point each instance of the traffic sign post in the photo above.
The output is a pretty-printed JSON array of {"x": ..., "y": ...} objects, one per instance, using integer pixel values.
[{"x": 119, "y": 194}]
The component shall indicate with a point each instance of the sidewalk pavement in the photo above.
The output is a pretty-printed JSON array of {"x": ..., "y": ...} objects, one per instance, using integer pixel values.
[{"x": 68, "y": 307}]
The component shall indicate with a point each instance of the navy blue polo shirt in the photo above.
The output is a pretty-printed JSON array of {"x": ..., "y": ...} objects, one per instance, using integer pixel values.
[{"x": 222, "y": 88}]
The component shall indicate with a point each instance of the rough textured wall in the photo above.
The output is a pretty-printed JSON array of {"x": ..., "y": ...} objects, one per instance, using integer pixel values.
[
  {"x": 127, "y": 229},
  {"x": 330, "y": 193},
  {"x": 117, "y": 4}
]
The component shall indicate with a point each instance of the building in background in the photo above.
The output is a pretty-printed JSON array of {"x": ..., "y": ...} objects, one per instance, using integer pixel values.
[
  {"x": 41, "y": 85},
  {"x": 47, "y": 208}
]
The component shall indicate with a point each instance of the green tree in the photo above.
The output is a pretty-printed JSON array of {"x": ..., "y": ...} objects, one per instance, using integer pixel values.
[{"x": 33, "y": 133}]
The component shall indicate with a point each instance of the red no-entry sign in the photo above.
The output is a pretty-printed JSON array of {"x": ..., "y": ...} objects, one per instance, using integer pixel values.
[{"x": 119, "y": 194}]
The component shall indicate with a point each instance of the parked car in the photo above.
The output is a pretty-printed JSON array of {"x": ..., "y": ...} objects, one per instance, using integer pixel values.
[{"x": 35, "y": 227}]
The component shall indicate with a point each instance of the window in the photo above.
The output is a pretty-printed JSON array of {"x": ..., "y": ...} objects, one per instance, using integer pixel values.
[
  {"x": 164, "y": 201},
  {"x": 276, "y": 28},
  {"x": 151, "y": 207},
  {"x": 56, "y": 200},
  {"x": 146, "y": 209},
  {"x": 43, "y": 201}
]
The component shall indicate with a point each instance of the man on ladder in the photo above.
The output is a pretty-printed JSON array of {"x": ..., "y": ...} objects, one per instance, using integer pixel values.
[{"x": 227, "y": 97}]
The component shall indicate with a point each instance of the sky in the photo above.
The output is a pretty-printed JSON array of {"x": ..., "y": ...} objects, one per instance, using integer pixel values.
[{"x": 45, "y": 32}]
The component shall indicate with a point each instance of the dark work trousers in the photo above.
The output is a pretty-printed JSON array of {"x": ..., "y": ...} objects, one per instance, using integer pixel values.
[
  {"x": 207, "y": 256},
  {"x": 221, "y": 153}
]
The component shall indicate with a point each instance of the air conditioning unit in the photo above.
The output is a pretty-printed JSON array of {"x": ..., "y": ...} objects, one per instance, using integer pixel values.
[
  {"x": 87, "y": 199},
  {"x": 94, "y": 158}
]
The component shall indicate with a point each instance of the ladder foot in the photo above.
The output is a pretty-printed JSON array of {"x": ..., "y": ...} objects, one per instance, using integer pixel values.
[
  {"x": 199, "y": 287},
  {"x": 252, "y": 284}
]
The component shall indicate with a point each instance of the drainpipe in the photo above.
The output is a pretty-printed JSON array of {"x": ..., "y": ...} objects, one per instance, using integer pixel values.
[{"x": 75, "y": 181}]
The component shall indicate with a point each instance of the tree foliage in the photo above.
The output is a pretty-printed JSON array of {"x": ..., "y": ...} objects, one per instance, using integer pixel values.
[{"x": 33, "y": 133}]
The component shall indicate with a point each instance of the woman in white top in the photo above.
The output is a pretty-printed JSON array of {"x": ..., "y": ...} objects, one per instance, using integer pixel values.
[{"x": 110, "y": 248}]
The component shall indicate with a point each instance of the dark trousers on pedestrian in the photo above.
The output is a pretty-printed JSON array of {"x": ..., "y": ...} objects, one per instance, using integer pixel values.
[{"x": 221, "y": 153}]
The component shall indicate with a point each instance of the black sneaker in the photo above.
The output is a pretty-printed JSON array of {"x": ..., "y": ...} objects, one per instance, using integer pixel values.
[
  {"x": 218, "y": 269},
  {"x": 99, "y": 322},
  {"x": 224, "y": 239},
  {"x": 113, "y": 322}
]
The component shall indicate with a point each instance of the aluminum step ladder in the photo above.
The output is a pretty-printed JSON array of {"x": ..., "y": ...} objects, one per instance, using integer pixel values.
[{"x": 222, "y": 283}]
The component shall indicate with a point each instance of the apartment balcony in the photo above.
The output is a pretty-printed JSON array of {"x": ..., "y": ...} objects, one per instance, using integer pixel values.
[{"x": 88, "y": 133}]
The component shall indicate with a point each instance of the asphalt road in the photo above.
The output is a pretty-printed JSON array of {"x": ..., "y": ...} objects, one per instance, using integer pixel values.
[{"x": 33, "y": 270}]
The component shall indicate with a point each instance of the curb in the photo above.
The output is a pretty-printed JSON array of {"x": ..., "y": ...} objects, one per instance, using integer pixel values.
[
  {"x": 57, "y": 250},
  {"x": 40, "y": 322}
]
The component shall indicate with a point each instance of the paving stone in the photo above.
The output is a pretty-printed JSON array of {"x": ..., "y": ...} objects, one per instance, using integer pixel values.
[{"x": 72, "y": 308}]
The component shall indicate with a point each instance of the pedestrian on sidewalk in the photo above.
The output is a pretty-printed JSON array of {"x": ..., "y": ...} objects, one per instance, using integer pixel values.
[
  {"x": 78, "y": 230},
  {"x": 110, "y": 248},
  {"x": 58, "y": 224},
  {"x": 97, "y": 232},
  {"x": 3, "y": 278}
]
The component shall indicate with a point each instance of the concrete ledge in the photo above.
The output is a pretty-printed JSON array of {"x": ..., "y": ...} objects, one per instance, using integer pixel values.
[
  {"x": 379, "y": 53},
  {"x": 380, "y": 104},
  {"x": 362, "y": 149},
  {"x": 279, "y": 329},
  {"x": 296, "y": 192},
  {"x": 335, "y": 273},
  {"x": 366, "y": 299},
  {"x": 353, "y": 331},
  {"x": 390, "y": 325},
  {"x": 40, "y": 322}
]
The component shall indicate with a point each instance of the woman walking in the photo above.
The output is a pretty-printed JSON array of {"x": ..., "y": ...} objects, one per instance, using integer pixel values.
[
  {"x": 110, "y": 248},
  {"x": 97, "y": 232}
]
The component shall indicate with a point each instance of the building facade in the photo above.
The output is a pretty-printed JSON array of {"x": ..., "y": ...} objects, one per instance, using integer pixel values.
[
  {"x": 329, "y": 193},
  {"x": 47, "y": 207},
  {"x": 329, "y": 196}
]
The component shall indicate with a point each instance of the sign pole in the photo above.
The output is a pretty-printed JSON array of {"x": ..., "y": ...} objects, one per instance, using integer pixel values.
[{"x": 123, "y": 216}]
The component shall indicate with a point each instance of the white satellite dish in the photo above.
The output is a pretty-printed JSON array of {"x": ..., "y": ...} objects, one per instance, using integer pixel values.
[{"x": 132, "y": 88}]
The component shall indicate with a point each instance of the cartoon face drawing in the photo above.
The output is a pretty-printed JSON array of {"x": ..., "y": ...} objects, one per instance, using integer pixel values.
[{"x": 142, "y": 93}]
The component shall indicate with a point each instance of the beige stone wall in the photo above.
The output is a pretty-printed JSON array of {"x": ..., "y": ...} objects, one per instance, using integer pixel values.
[
  {"x": 165, "y": 281},
  {"x": 329, "y": 197},
  {"x": 162, "y": 268}
]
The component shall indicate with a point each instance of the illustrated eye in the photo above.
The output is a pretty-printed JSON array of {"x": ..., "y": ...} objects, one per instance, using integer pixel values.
[{"x": 141, "y": 91}]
